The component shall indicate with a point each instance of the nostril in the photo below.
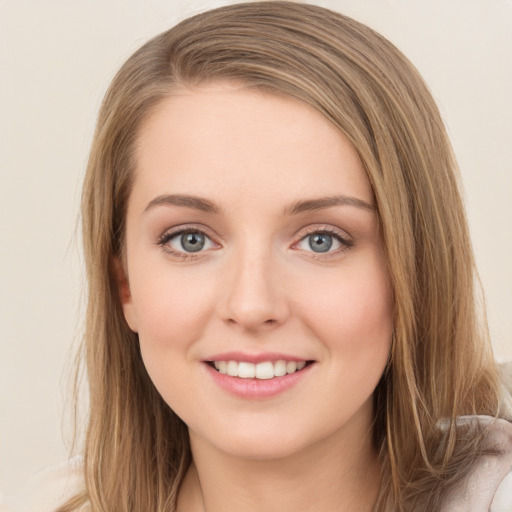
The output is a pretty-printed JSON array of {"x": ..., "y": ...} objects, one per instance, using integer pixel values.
[{"x": 250, "y": 324}]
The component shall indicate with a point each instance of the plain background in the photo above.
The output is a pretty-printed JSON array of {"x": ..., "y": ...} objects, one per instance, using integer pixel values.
[{"x": 56, "y": 60}]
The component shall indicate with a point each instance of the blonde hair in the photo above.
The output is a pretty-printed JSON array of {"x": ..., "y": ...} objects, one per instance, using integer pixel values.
[{"x": 441, "y": 366}]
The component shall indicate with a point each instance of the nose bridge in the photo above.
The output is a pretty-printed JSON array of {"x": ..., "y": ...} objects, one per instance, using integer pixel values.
[{"x": 254, "y": 295}]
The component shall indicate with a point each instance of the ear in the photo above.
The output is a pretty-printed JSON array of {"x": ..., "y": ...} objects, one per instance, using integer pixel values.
[{"x": 125, "y": 295}]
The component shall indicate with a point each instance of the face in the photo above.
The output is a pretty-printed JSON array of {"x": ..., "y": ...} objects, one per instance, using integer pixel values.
[{"x": 254, "y": 272}]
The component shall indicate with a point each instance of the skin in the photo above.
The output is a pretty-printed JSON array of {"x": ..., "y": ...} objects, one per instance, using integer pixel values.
[{"x": 258, "y": 286}]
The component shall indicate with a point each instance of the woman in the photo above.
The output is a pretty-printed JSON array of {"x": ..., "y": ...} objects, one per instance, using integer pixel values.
[{"x": 281, "y": 310}]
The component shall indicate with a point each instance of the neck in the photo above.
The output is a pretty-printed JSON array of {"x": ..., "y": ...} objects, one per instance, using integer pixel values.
[{"x": 335, "y": 473}]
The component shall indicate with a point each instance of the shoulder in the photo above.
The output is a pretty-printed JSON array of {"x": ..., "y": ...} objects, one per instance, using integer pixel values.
[
  {"x": 502, "y": 501},
  {"x": 488, "y": 488},
  {"x": 49, "y": 489}
]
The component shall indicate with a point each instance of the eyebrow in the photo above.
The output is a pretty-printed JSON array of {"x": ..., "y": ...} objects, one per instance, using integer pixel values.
[
  {"x": 303, "y": 206},
  {"x": 188, "y": 201},
  {"x": 311, "y": 205}
]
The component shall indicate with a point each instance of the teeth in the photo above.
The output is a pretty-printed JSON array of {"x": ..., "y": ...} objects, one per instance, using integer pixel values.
[
  {"x": 265, "y": 370},
  {"x": 232, "y": 369},
  {"x": 291, "y": 366},
  {"x": 280, "y": 368},
  {"x": 246, "y": 370}
]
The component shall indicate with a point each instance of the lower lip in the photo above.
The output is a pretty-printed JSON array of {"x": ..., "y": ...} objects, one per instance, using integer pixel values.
[{"x": 258, "y": 388}]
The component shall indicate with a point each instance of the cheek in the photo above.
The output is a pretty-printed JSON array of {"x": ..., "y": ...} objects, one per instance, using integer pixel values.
[
  {"x": 353, "y": 314},
  {"x": 354, "y": 322},
  {"x": 170, "y": 306},
  {"x": 172, "y": 312}
]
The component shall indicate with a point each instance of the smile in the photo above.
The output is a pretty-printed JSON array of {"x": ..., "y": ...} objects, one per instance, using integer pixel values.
[
  {"x": 264, "y": 370},
  {"x": 264, "y": 377}
]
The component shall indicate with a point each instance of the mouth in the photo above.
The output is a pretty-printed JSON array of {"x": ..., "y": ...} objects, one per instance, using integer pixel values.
[
  {"x": 261, "y": 376},
  {"x": 264, "y": 370}
]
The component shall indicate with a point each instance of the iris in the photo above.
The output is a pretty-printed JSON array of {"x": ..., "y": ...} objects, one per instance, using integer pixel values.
[
  {"x": 192, "y": 242},
  {"x": 320, "y": 242}
]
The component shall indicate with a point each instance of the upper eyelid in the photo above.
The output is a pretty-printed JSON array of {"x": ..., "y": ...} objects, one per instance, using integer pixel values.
[
  {"x": 323, "y": 228},
  {"x": 170, "y": 232}
]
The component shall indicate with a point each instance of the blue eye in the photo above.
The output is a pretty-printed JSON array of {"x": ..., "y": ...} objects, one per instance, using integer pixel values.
[
  {"x": 186, "y": 242},
  {"x": 320, "y": 242},
  {"x": 192, "y": 242},
  {"x": 323, "y": 242}
]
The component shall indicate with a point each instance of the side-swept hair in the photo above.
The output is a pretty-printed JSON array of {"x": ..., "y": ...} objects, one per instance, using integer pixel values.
[{"x": 136, "y": 449}]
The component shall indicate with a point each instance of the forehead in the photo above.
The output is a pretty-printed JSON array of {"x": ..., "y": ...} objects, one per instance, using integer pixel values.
[{"x": 224, "y": 139}]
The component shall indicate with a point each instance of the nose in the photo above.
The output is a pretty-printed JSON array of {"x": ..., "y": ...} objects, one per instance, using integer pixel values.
[{"x": 255, "y": 296}]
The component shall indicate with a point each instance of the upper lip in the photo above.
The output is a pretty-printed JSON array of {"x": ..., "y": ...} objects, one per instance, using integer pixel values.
[{"x": 254, "y": 358}]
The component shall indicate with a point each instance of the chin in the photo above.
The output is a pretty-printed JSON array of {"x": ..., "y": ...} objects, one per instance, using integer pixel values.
[
  {"x": 263, "y": 441},
  {"x": 263, "y": 448}
]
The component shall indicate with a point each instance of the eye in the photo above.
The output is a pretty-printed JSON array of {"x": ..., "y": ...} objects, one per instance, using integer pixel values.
[
  {"x": 186, "y": 241},
  {"x": 324, "y": 242},
  {"x": 320, "y": 242}
]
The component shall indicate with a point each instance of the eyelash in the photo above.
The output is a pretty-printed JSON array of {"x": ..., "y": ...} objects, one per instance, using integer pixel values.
[
  {"x": 166, "y": 237},
  {"x": 345, "y": 241}
]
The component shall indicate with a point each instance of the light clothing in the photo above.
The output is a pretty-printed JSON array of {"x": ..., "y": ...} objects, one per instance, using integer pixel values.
[
  {"x": 487, "y": 489},
  {"x": 489, "y": 486}
]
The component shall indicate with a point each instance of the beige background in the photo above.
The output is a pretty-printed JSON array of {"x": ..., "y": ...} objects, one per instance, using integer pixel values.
[{"x": 56, "y": 59}]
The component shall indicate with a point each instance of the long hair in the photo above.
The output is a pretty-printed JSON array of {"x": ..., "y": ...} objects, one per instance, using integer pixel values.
[{"x": 136, "y": 449}]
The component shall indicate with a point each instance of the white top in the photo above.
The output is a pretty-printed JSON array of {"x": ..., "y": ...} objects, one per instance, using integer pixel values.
[{"x": 487, "y": 489}]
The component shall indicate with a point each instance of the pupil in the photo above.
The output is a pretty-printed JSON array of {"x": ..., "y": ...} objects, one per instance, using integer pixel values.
[
  {"x": 320, "y": 242},
  {"x": 192, "y": 242}
]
